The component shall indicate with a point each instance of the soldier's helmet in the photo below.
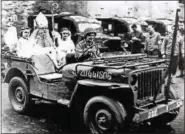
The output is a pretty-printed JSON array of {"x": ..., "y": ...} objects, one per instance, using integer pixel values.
[{"x": 89, "y": 31}]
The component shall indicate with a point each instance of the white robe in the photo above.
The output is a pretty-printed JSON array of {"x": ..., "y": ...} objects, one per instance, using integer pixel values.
[
  {"x": 10, "y": 37},
  {"x": 66, "y": 46},
  {"x": 24, "y": 48}
]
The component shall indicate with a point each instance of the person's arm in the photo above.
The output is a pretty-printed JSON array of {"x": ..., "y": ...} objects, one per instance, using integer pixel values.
[
  {"x": 130, "y": 37},
  {"x": 34, "y": 34},
  {"x": 159, "y": 36},
  {"x": 142, "y": 38},
  {"x": 158, "y": 40},
  {"x": 97, "y": 50},
  {"x": 79, "y": 50},
  {"x": 180, "y": 45},
  {"x": 146, "y": 44},
  {"x": 138, "y": 37},
  {"x": 56, "y": 38},
  {"x": 18, "y": 46},
  {"x": 48, "y": 40},
  {"x": 163, "y": 47},
  {"x": 15, "y": 47},
  {"x": 72, "y": 47}
]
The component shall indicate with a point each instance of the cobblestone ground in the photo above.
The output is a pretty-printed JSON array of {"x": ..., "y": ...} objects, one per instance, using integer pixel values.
[{"x": 54, "y": 119}]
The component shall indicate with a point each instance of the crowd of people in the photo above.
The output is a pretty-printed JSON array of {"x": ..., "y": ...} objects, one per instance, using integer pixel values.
[
  {"x": 154, "y": 45},
  {"x": 57, "y": 45},
  {"x": 61, "y": 49}
]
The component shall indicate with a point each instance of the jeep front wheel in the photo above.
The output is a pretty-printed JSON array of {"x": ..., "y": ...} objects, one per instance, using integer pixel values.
[
  {"x": 18, "y": 95},
  {"x": 101, "y": 115}
]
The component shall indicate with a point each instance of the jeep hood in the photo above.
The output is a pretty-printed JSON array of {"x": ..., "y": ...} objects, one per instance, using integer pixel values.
[{"x": 111, "y": 68}]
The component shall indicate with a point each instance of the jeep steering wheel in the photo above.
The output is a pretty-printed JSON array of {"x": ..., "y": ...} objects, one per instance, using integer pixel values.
[{"x": 90, "y": 52}]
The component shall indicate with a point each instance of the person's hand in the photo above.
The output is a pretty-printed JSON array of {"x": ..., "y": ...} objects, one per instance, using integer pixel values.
[
  {"x": 55, "y": 34},
  {"x": 90, "y": 50},
  {"x": 159, "y": 42},
  {"x": 135, "y": 39},
  {"x": 164, "y": 56},
  {"x": 87, "y": 53},
  {"x": 5, "y": 48}
]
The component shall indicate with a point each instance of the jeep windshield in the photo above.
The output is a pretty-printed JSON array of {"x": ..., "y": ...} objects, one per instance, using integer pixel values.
[
  {"x": 83, "y": 25},
  {"x": 86, "y": 22}
]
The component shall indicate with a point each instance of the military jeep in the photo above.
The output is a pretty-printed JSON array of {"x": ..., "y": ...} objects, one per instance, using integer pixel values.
[{"x": 106, "y": 93}]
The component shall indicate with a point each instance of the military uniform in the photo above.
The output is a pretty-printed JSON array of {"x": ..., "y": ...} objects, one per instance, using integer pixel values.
[
  {"x": 85, "y": 49},
  {"x": 136, "y": 44},
  {"x": 82, "y": 46},
  {"x": 152, "y": 47},
  {"x": 166, "y": 50}
]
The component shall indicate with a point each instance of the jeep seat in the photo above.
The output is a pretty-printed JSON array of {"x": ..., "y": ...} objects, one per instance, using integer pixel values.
[{"x": 45, "y": 68}]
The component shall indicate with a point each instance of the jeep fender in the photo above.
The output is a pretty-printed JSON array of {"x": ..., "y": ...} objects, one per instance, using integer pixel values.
[
  {"x": 86, "y": 89},
  {"x": 14, "y": 72}
]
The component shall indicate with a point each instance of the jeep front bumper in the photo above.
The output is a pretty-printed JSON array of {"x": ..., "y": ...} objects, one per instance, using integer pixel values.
[{"x": 159, "y": 109}]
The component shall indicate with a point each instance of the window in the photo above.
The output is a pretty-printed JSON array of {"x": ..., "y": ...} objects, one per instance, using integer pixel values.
[{"x": 83, "y": 26}]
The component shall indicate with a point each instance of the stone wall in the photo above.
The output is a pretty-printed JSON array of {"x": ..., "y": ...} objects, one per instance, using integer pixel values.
[{"x": 16, "y": 12}]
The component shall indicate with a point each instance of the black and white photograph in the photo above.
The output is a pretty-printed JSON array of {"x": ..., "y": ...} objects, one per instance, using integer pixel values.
[{"x": 95, "y": 67}]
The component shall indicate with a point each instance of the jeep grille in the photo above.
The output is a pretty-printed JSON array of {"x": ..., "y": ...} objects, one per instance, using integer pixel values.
[{"x": 148, "y": 83}]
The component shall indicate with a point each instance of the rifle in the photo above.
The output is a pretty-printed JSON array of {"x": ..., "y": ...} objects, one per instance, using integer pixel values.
[{"x": 167, "y": 87}]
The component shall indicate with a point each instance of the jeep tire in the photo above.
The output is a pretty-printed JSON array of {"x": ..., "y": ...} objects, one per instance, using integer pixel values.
[
  {"x": 166, "y": 118},
  {"x": 102, "y": 115},
  {"x": 18, "y": 95}
]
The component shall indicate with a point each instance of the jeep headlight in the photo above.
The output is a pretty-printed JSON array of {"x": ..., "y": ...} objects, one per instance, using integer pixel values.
[{"x": 133, "y": 79}]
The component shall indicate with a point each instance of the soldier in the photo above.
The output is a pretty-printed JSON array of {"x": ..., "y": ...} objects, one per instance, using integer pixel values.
[
  {"x": 87, "y": 47},
  {"x": 153, "y": 42},
  {"x": 181, "y": 53},
  {"x": 166, "y": 51},
  {"x": 136, "y": 39}
]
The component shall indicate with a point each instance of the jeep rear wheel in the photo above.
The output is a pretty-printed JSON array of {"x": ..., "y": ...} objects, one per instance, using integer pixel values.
[
  {"x": 166, "y": 118},
  {"x": 101, "y": 115},
  {"x": 18, "y": 95}
]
